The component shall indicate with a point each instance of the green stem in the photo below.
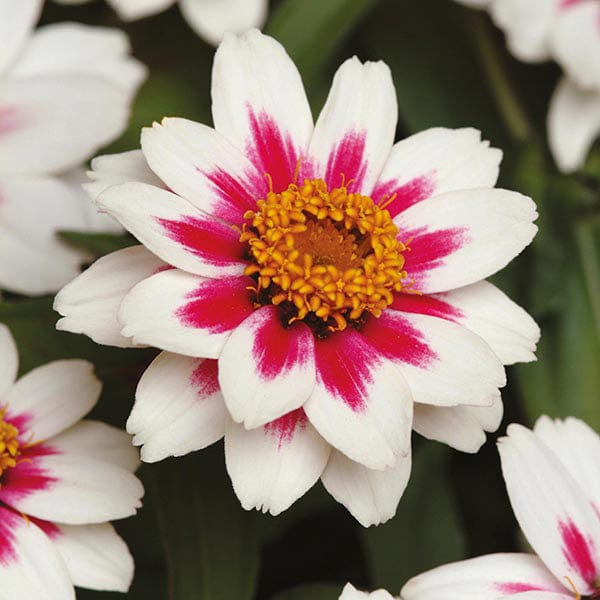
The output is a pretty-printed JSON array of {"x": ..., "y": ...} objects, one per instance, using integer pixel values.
[
  {"x": 499, "y": 82},
  {"x": 588, "y": 253}
]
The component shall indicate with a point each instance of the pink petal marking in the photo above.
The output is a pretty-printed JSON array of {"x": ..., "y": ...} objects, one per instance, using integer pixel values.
[
  {"x": 429, "y": 249},
  {"x": 10, "y": 119},
  {"x": 205, "y": 378},
  {"x": 9, "y": 521},
  {"x": 271, "y": 150},
  {"x": 28, "y": 476},
  {"x": 50, "y": 529},
  {"x": 347, "y": 161},
  {"x": 578, "y": 551},
  {"x": 407, "y": 194},
  {"x": 236, "y": 198},
  {"x": 277, "y": 349},
  {"x": 213, "y": 242},
  {"x": 565, "y": 4},
  {"x": 344, "y": 365},
  {"x": 284, "y": 428},
  {"x": 395, "y": 338},
  {"x": 425, "y": 304},
  {"x": 509, "y": 588},
  {"x": 218, "y": 305}
]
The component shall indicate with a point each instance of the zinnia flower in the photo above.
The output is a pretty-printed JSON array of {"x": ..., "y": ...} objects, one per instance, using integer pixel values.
[
  {"x": 566, "y": 31},
  {"x": 209, "y": 19},
  {"x": 65, "y": 91},
  {"x": 312, "y": 286},
  {"x": 61, "y": 481},
  {"x": 552, "y": 476}
]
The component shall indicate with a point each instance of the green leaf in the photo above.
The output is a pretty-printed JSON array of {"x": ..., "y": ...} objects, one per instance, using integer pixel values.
[
  {"x": 212, "y": 544},
  {"x": 424, "y": 533},
  {"x": 311, "y": 592},
  {"x": 97, "y": 244}
]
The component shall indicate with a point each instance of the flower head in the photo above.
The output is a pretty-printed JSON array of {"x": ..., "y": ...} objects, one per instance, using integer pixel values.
[
  {"x": 317, "y": 289},
  {"x": 553, "y": 483},
  {"x": 61, "y": 481},
  {"x": 65, "y": 91}
]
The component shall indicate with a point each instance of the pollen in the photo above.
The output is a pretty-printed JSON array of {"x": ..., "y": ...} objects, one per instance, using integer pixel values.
[
  {"x": 329, "y": 257},
  {"x": 9, "y": 444}
]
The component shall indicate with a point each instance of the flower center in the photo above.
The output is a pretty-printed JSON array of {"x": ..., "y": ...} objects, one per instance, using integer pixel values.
[
  {"x": 327, "y": 257},
  {"x": 9, "y": 444}
]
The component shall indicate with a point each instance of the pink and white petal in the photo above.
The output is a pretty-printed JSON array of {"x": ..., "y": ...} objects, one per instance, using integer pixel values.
[
  {"x": 577, "y": 446},
  {"x": 573, "y": 124},
  {"x": 461, "y": 427},
  {"x": 575, "y": 41},
  {"x": 9, "y": 365},
  {"x": 436, "y": 161},
  {"x": 131, "y": 10},
  {"x": 266, "y": 370},
  {"x": 113, "y": 169},
  {"x": 33, "y": 260},
  {"x": 461, "y": 237},
  {"x": 75, "y": 490},
  {"x": 484, "y": 309},
  {"x": 95, "y": 556},
  {"x": 16, "y": 24},
  {"x": 186, "y": 314},
  {"x": 491, "y": 576},
  {"x": 178, "y": 407},
  {"x": 361, "y": 403},
  {"x": 259, "y": 104},
  {"x": 355, "y": 131},
  {"x": 98, "y": 440},
  {"x": 51, "y": 398},
  {"x": 30, "y": 566},
  {"x": 551, "y": 507},
  {"x": 174, "y": 230},
  {"x": 351, "y": 593},
  {"x": 527, "y": 26},
  {"x": 198, "y": 163},
  {"x": 211, "y": 20},
  {"x": 74, "y": 48},
  {"x": 90, "y": 303},
  {"x": 372, "y": 497},
  {"x": 272, "y": 466},
  {"x": 58, "y": 121},
  {"x": 443, "y": 363}
]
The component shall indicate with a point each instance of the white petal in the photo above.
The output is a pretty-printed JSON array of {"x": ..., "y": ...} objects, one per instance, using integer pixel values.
[
  {"x": 211, "y": 20},
  {"x": 351, "y": 593},
  {"x": 436, "y": 161},
  {"x": 461, "y": 427},
  {"x": 16, "y": 23},
  {"x": 30, "y": 566},
  {"x": 443, "y": 363},
  {"x": 175, "y": 230},
  {"x": 260, "y": 105},
  {"x": 573, "y": 124},
  {"x": 372, "y": 497},
  {"x": 51, "y": 398},
  {"x": 100, "y": 441},
  {"x": 198, "y": 163},
  {"x": 131, "y": 10},
  {"x": 575, "y": 42},
  {"x": 355, "y": 131},
  {"x": 9, "y": 365},
  {"x": 361, "y": 403},
  {"x": 184, "y": 313},
  {"x": 459, "y": 238},
  {"x": 59, "y": 121},
  {"x": 577, "y": 446},
  {"x": 272, "y": 466},
  {"x": 266, "y": 370},
  {"x": 551, "y": 508},
  {"x": 492, "y": 576},
  {"x": 75, "y": 48},
  {"x": 95, "y": 556},
  {"x": 33, "y": 260},
  {"x": 90, "y": 303},
  {"x": 527, "y": 26},
  {"x": 178, "y": 407}
]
